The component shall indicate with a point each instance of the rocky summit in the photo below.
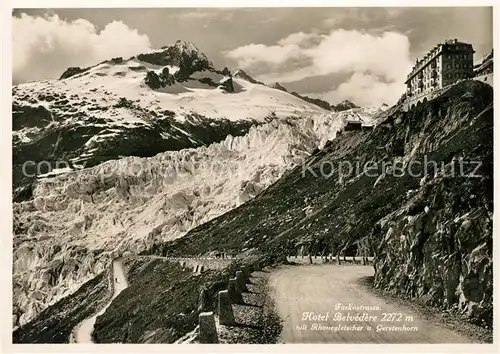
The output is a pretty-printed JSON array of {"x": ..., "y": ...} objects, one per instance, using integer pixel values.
[{"x": 344, "y": 105}]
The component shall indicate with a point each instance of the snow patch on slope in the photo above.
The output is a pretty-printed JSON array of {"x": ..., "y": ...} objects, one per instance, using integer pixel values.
[
  {"x": 366, "y": 115},
  {"x": 105, "y": 84}
]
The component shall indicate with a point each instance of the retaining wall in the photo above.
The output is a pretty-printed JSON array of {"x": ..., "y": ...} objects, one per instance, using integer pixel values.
[
  {"x": 331, "y": 259},
  {"x": 406, "y": 106},
  {"x": 196, "y": 263}
]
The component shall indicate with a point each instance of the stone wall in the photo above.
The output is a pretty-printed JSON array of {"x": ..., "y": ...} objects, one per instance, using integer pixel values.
[
  {"x": 418, "y": 100},
  {"x": 198, "y": 264},
  {"x": 328, "y": 259},
  {"x": 216, "y": 299}
]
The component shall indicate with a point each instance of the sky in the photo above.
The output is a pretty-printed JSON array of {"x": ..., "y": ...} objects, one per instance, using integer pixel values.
[{"x": 336, "y": 53}]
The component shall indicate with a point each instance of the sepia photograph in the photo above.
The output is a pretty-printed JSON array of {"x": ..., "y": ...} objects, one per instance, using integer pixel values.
[{"x": 251, "y": 175}]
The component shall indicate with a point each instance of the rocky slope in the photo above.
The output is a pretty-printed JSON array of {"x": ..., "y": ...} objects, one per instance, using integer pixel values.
[
  {"x": 243, "y": 75},
  {"x": 484, "y": 65},
  {"x": 316, "y": 101},
  {"x": 344, "y": 105},
  {"x": 430, "y": 230},
  {"x": 165, "y": 319},
  {"x": 169, "y": 99}
]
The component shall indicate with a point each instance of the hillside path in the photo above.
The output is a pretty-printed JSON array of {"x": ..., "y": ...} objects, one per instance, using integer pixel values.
[
  {"x": 83, "y": 333},
  {"x": 318, "y": 289}
]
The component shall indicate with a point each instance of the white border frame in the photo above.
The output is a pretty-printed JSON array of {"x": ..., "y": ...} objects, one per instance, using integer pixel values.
[{"x": 6, "y": 183}]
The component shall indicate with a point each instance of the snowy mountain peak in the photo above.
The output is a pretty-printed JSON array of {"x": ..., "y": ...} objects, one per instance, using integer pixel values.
[
  {"x": 185, "y": 46},
  {"x": 182, "y": 54},
  {"x": 243, "y": 75},
  {"x": 278, "y": 86},
  {"x": 344, "y": 105}
]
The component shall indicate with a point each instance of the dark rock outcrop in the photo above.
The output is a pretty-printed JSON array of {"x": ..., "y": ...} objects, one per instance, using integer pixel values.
[
  {"x": 183, "y": 54},
  {"x": 227, "y": 84},
  {"x": 243, "y": 75},
  {"x": 343, "y": 106},
  {"x": 278, "y": 86},
  {"x": 117, "y": 60},
  {"x": 72, "y": 71},
  {"x": 155, "y": 81},
  {"x": 316, "y": 101}
]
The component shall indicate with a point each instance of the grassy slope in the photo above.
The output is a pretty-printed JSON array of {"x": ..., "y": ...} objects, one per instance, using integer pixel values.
[{"x": 159, "y": 306}]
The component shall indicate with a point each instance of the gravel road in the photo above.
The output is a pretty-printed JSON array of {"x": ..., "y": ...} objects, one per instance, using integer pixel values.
[
  {"x": 313, "y": 302},
  {"x": 83, "y": 334}
]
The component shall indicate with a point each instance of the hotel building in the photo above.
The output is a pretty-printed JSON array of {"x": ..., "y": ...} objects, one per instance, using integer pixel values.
[{"x": 444, "y": 65}]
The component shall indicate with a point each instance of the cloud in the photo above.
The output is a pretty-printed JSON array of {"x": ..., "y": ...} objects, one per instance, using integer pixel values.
[
  {"x": 220, "y": 14},
  {"x": 364, "y": 90},
  {"x": 196, "y": 15},
  {"x": 376, "y": 62},
  {"x": 43, "y": 47},
  {"x": 300, "y": 39},
  {"x": 252, "y": 55},
  {"x": 386, "y": 55}
]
